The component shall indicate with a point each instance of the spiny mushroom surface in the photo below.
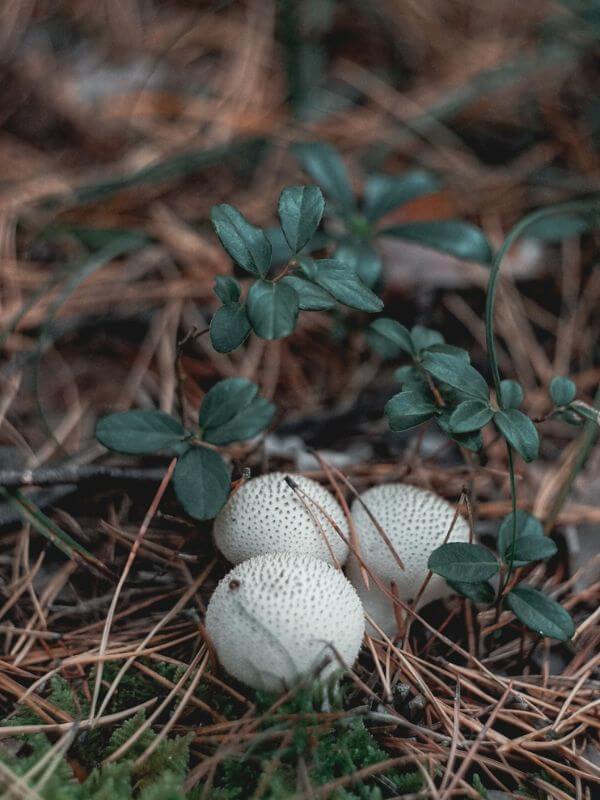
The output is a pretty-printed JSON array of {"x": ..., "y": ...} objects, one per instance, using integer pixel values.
[
  {"x": 416, "y": 521},
  {"x": 281, "y": 616},
  {"x": 266, "y": 515}
]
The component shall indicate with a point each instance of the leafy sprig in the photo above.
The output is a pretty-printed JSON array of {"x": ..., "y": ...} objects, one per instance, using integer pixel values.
[
  {"x": 275, "y": 298},
  {"x": 232, "y": 411},
  {"x": 442, "y": 385},
  {"x": 468, "y": 569},
  {"x": 358, "y": 224}
]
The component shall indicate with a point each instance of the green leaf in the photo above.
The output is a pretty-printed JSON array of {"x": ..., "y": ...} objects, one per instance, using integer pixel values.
[
  {"x": 227, "y": 289},
  {"x": 300, "y": 212},
  {"x": 526, "y": 523},
  {"x": 527, "y": 526},
  {"x": 363, "y": 259},
  {"x": 462, "y": 562},
  {"x": 281, "y": 249},
  {"x": 409, "y": 374},
  {"x": 459, "y": 239},
  {"x": 532, "y": 548},
  {"x": 408, "y": 409},
  {"x": 396, "y": 337},
  {"x": 562, "y": 391},
  {"x": 310, "y": 296},
  {"x": 481, "y": 592},
  {"x": 223, "y": 401},
  {"x": 308, "y": 268},
  {"x": 247, "y": 245},
  {"x": 519, "y": 431},
  {"x": 272, "y": 309},
  {"x": 449, "y": 350},
  {"x": 246, "y": 424},
  {"x": 325, "y": 166},
  {"x": 229, "y": 327},
  {"x": 511, "y": 394},
  {"x": 344, "y": 284},
  {"x": 540, "y": 613},
  {"x": 425, "y": 338},
  {"x": 472, "y": 441},
  {"x": 384, "y": 193},
  {"x": 471, "y": 415},
  {"x": 139, "y": 432},
  {"x": 231, "y": 412},
  {"x": 455, "y": 372},
  {"x": 559, "y": 227},
  {"x": 201, "y": 482}
]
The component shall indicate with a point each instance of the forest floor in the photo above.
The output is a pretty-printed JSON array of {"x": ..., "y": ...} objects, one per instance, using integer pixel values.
[{"x": 118, "y": 119}]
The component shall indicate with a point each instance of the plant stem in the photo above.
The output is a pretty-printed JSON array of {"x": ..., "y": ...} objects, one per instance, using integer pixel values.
[
  {"x": 573, "y": 207},
  {"x": 513, "y": 497}
]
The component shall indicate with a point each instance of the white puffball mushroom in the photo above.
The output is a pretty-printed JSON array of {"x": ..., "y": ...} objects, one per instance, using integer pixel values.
[
  {"x": 416, "y": 521},
  {"x": 281, "y": 616},
  {"x": 266, "y": 515}
]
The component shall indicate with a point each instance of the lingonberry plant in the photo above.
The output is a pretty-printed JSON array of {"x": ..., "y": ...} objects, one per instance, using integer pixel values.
[
  {"x": 354, "y": 226},
  {"x": 273, "y": 300},
  {"x": 441, "y": 384},
  {"x": 232, "y": 411}
]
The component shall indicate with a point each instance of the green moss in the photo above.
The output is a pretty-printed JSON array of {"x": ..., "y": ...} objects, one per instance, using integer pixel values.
[{"x": 345, "y": 748}]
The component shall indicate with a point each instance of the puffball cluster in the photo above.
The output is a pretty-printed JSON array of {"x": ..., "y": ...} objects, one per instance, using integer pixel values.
[{"x": 286, "y": 610}]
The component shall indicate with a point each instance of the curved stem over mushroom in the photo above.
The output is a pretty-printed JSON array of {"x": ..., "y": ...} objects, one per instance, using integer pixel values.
[{"x": 577, "y": 206}]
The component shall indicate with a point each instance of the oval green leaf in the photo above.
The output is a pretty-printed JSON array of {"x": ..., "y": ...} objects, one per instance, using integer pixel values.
[
  {"x": 246, "y": 424},
  {"x": 229, "y": 327},
  {"x": 325, "y": 166},
  {"x": 462, "y": 562},
  {"x": 384, "y": 193},
  {"x": 408, "y": 409},
  {"x": 532, "y": 548},
  {"x": 300, "y": 212},
  {"x": 139, "y": 432},
  {"x": 520, "y": 432},
  {"x": 511, "y": 394},
  {"x": 272, "y": 309},
  {"x": 396, "y": 336},
  {"x": 343, "y": 283},
  {"x": 562, "y": 391},
  {"x": 247, "y": 244},
  {"x": 223, "y": 401},
  {"x": 559, "y": 227},
  {"x": 424, "y": 338},
  {"x": 481, "y": 592},
  {"x": 227, "y": 289},
  {"x": 526, "y": 525},
  {"x": 457, "y": 238},
  {"x": 310, "y": 296},
  {"x": 472, "y": 441},
  {"x": 472, "y": 415},
  {"x": 362, "y": 257},
  {"x": 201, "y": 482},
  {"x": 456, "y": 372},
  {"x": 540, "y": 613}
]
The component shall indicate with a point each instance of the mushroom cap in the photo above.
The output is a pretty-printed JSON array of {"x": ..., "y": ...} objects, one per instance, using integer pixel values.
[
  {"x": 416, "y": 521},
  {"x": 266, "y": 515},
  {"x": 281, "y": 616}
]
